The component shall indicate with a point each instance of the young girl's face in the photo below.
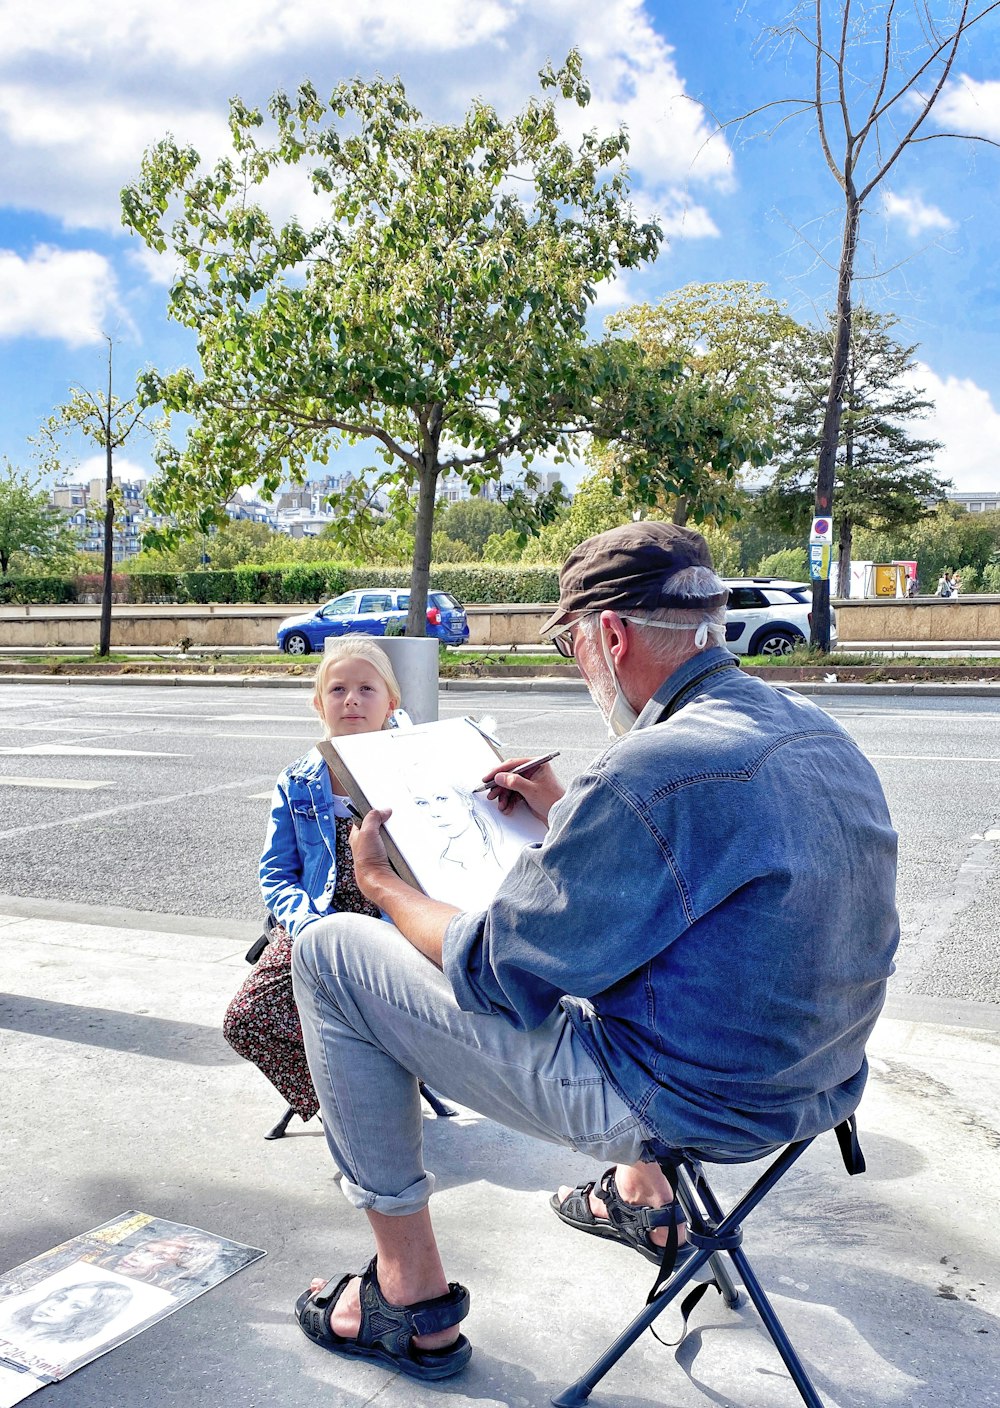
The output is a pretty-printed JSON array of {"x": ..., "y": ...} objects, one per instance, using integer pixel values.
[{"x": 354, "y": 699}]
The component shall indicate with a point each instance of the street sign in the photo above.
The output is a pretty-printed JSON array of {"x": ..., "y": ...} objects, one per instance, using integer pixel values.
[
  {"x": 819, "y": 561},
  {"x": 821, "y": 531}
]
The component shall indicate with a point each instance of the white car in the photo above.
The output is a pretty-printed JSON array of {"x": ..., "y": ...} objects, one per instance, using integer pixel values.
[{"x": 767, "y": 616}]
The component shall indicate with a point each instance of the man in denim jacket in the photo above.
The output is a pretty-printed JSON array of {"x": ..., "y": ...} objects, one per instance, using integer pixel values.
[{"x": 693, "y": 959}]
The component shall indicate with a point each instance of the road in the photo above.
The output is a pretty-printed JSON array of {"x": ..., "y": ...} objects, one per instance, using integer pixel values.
[{"x": 154, "y": 799}]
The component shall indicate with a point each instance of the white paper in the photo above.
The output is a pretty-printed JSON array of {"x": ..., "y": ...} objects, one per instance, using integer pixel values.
[{"x": 456, "y": 842}]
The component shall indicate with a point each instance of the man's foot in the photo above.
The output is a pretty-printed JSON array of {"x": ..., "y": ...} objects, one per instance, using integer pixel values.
[
  {"x": 638, "y": 1186},
  {"x": 352, "y": 1317},
  {"x": 640, "y": 1215},
  {"x": 345, "y": 1318}
]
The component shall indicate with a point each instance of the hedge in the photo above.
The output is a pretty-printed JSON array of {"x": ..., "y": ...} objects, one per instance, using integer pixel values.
[{"x": 473, "y": 584}]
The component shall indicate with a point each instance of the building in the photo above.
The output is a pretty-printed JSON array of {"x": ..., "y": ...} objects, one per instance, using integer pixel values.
[
  {"x": 988, "y": 501},
  {"x": 84, "y": 504}
]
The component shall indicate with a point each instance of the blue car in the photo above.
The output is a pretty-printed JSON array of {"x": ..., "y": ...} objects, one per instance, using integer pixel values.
[{"x": 370, "y": 612}]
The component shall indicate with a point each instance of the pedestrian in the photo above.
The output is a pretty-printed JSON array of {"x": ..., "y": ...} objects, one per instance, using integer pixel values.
[
  {"x": 306, "y": 869},
  {"x": 693, "y": 957},
  {"x": 946, "y": 585}
]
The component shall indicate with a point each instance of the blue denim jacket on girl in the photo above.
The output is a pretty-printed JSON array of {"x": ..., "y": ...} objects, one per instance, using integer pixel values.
[{"x": 298, "y": 866}]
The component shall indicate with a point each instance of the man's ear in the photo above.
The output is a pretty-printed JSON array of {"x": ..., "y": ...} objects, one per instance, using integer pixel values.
[{"x": 615, "y": 635}]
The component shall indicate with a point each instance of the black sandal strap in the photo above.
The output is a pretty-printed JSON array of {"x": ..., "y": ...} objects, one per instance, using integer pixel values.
[
  {"x": 393, "y": 1326},
  {"x": 628, "y": 1217}
]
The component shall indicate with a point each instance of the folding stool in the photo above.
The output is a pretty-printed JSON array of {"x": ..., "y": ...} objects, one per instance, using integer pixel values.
[{"x": 715, "y": 1234}]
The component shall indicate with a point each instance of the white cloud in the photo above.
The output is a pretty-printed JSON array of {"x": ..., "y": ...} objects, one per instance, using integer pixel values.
[
  {"x": 967, "y": 423},
  {"x": 916, "y": 215},
  {"x": 200, "y": 34},
  {"x": 970, "y": 107},
  {"x": 68, "y": 154},
  {"x": 69, "y": 295},
  {"x": 84, "y": 89},
  {"x": 96, "y": 467}
]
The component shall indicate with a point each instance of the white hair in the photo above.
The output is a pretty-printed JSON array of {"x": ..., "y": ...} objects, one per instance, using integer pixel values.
[{"x": 671, "y": 647}]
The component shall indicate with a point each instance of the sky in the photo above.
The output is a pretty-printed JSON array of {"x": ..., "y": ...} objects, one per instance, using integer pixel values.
[{"x": 85, "y": 88}]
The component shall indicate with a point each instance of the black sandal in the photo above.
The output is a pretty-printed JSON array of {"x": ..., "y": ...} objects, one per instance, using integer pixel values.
[
  {"x": 387, "y": 1331},
  {"x": 625, "y": 1223}
]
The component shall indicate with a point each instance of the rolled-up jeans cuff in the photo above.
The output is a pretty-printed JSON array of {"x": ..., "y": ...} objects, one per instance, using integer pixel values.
[{"x": 411, "y": 1200}]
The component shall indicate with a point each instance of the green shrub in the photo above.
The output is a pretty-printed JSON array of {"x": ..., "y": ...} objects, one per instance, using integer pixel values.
[
  {"x": 37, "y": 591},
  {"x": 791, "y": 563}
]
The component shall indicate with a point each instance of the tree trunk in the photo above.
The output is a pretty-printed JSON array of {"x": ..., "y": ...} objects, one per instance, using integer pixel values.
[
  {"x": 681, "y": 511},
  {"x": 845, "y": 533},
  {"x": 416, "y": 620},
  {"x": 104, "y": 647},
  {"x": 826, "y": 474}
]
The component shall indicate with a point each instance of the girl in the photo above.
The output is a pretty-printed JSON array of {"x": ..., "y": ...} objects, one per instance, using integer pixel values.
[{"x": 306, "y": 870}]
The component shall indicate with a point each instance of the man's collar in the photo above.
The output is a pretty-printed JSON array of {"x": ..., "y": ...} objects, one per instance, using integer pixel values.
[{"x": 683, "y": 681}]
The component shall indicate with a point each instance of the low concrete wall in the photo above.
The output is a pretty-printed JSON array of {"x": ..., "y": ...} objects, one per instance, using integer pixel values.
[
  {"x": 928, "y": 618},
  {"x": 35, "y": 627}
]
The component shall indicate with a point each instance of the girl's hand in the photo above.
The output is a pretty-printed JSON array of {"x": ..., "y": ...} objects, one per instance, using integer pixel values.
[{"x": 539, "y": 792}]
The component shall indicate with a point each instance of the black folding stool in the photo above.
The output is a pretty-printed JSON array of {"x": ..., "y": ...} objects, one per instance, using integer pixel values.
[{"x": 716, "y": 1233}]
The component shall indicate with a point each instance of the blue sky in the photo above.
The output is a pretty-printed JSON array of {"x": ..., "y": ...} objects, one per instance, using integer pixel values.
[{"x": 84, "y": 88}]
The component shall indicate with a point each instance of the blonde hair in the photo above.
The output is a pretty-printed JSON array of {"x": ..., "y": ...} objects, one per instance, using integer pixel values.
[{"x": 356, "y": 648}]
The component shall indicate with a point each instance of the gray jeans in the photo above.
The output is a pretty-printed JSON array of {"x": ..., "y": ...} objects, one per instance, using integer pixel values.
[{"x": 376, "y": 1015}]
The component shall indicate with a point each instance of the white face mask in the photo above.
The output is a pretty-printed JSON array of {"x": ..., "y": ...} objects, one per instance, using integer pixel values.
[{"x": 621, "y": 717}]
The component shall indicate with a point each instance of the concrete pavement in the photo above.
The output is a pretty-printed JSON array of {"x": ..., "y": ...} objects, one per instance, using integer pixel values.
[{"x": 120, "y": 1093}]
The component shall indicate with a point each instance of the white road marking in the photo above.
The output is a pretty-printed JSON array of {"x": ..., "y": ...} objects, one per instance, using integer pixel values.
[
  {"x": 69, "y": 750},
  {"x": 74, "y": 783},
  {"x": 125, "y": 807},
  {"x": 260, "y": 796},
  {"x": 925, "y": 758}
]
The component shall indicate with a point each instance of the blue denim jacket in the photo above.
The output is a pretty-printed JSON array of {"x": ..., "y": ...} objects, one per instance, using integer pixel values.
[
  {"x": 298, "y": 867},
  {"x": 720, "y": 889}
]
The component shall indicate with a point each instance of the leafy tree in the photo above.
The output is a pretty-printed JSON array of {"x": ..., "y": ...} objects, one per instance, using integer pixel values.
[
  {"x": 31, "y": 532},
  {"x": 875, "y": 83},
  {"x": 596, "y": 506},
  {"x": 950, "y": 536},
  {"x": 102, "y": 417},
  {"x": 727, "y": 336},
  {"x": 472, "y": 521},
  {"x": 884, "y": 475},
  {"x": 438, "y": 309}
]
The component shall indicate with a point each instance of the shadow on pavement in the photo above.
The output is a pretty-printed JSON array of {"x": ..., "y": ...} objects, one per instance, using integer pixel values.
[{"x": 187, "y": 1042}]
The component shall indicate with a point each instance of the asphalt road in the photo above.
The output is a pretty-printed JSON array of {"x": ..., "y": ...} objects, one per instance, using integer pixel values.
[{"x": 154, "y": 799}]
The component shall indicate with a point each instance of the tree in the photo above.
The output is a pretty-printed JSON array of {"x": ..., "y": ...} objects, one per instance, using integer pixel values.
[
  {"x": 438, "y": 309},
  {"x": 102, "y": 417},
  {"x": 873, "y": 90},
  {"x": 884, "y": 475},
  {"x": 473, "y": 521},
  {"x": 727, "y": 336},
  {"x": 28, "y": 524}
]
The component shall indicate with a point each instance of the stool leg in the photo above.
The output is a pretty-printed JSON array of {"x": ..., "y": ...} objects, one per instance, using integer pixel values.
[
  {"x": 579, "y": 1392},
  {"x": 278, "y": 1132},
  {"x": 439, "y": 1107},
  {"x": 689, "y": 1186},
  {"x": 776, "y": 1330}
]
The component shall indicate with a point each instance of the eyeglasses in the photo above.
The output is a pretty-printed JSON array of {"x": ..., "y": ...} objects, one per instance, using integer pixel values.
[{"x": 563, "y": 638}]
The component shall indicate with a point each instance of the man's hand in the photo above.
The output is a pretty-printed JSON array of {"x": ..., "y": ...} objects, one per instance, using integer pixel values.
[
  {"x": 371, "y": 863},
  {"x": 418, "y": 918},
  {"x": 539, "y": 792}
]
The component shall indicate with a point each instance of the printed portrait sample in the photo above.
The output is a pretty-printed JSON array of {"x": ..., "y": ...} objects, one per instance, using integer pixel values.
[
  {"x": 72, "y": 1315},
  {"x": 83, "y": 1297}
]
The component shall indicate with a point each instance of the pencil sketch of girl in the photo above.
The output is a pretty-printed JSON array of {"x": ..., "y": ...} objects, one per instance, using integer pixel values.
[
  {"x": 470, "y": 837},
  {"x": 71, "y": 1313}
]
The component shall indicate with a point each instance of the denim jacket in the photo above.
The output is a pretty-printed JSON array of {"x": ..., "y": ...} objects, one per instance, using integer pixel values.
[
  {"x": 298, "y": 867},
  {"x": 719, "y": 889}
]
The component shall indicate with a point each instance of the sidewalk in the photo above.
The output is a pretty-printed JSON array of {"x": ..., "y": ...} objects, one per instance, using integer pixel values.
[{"x": 120, "y": 1093}]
